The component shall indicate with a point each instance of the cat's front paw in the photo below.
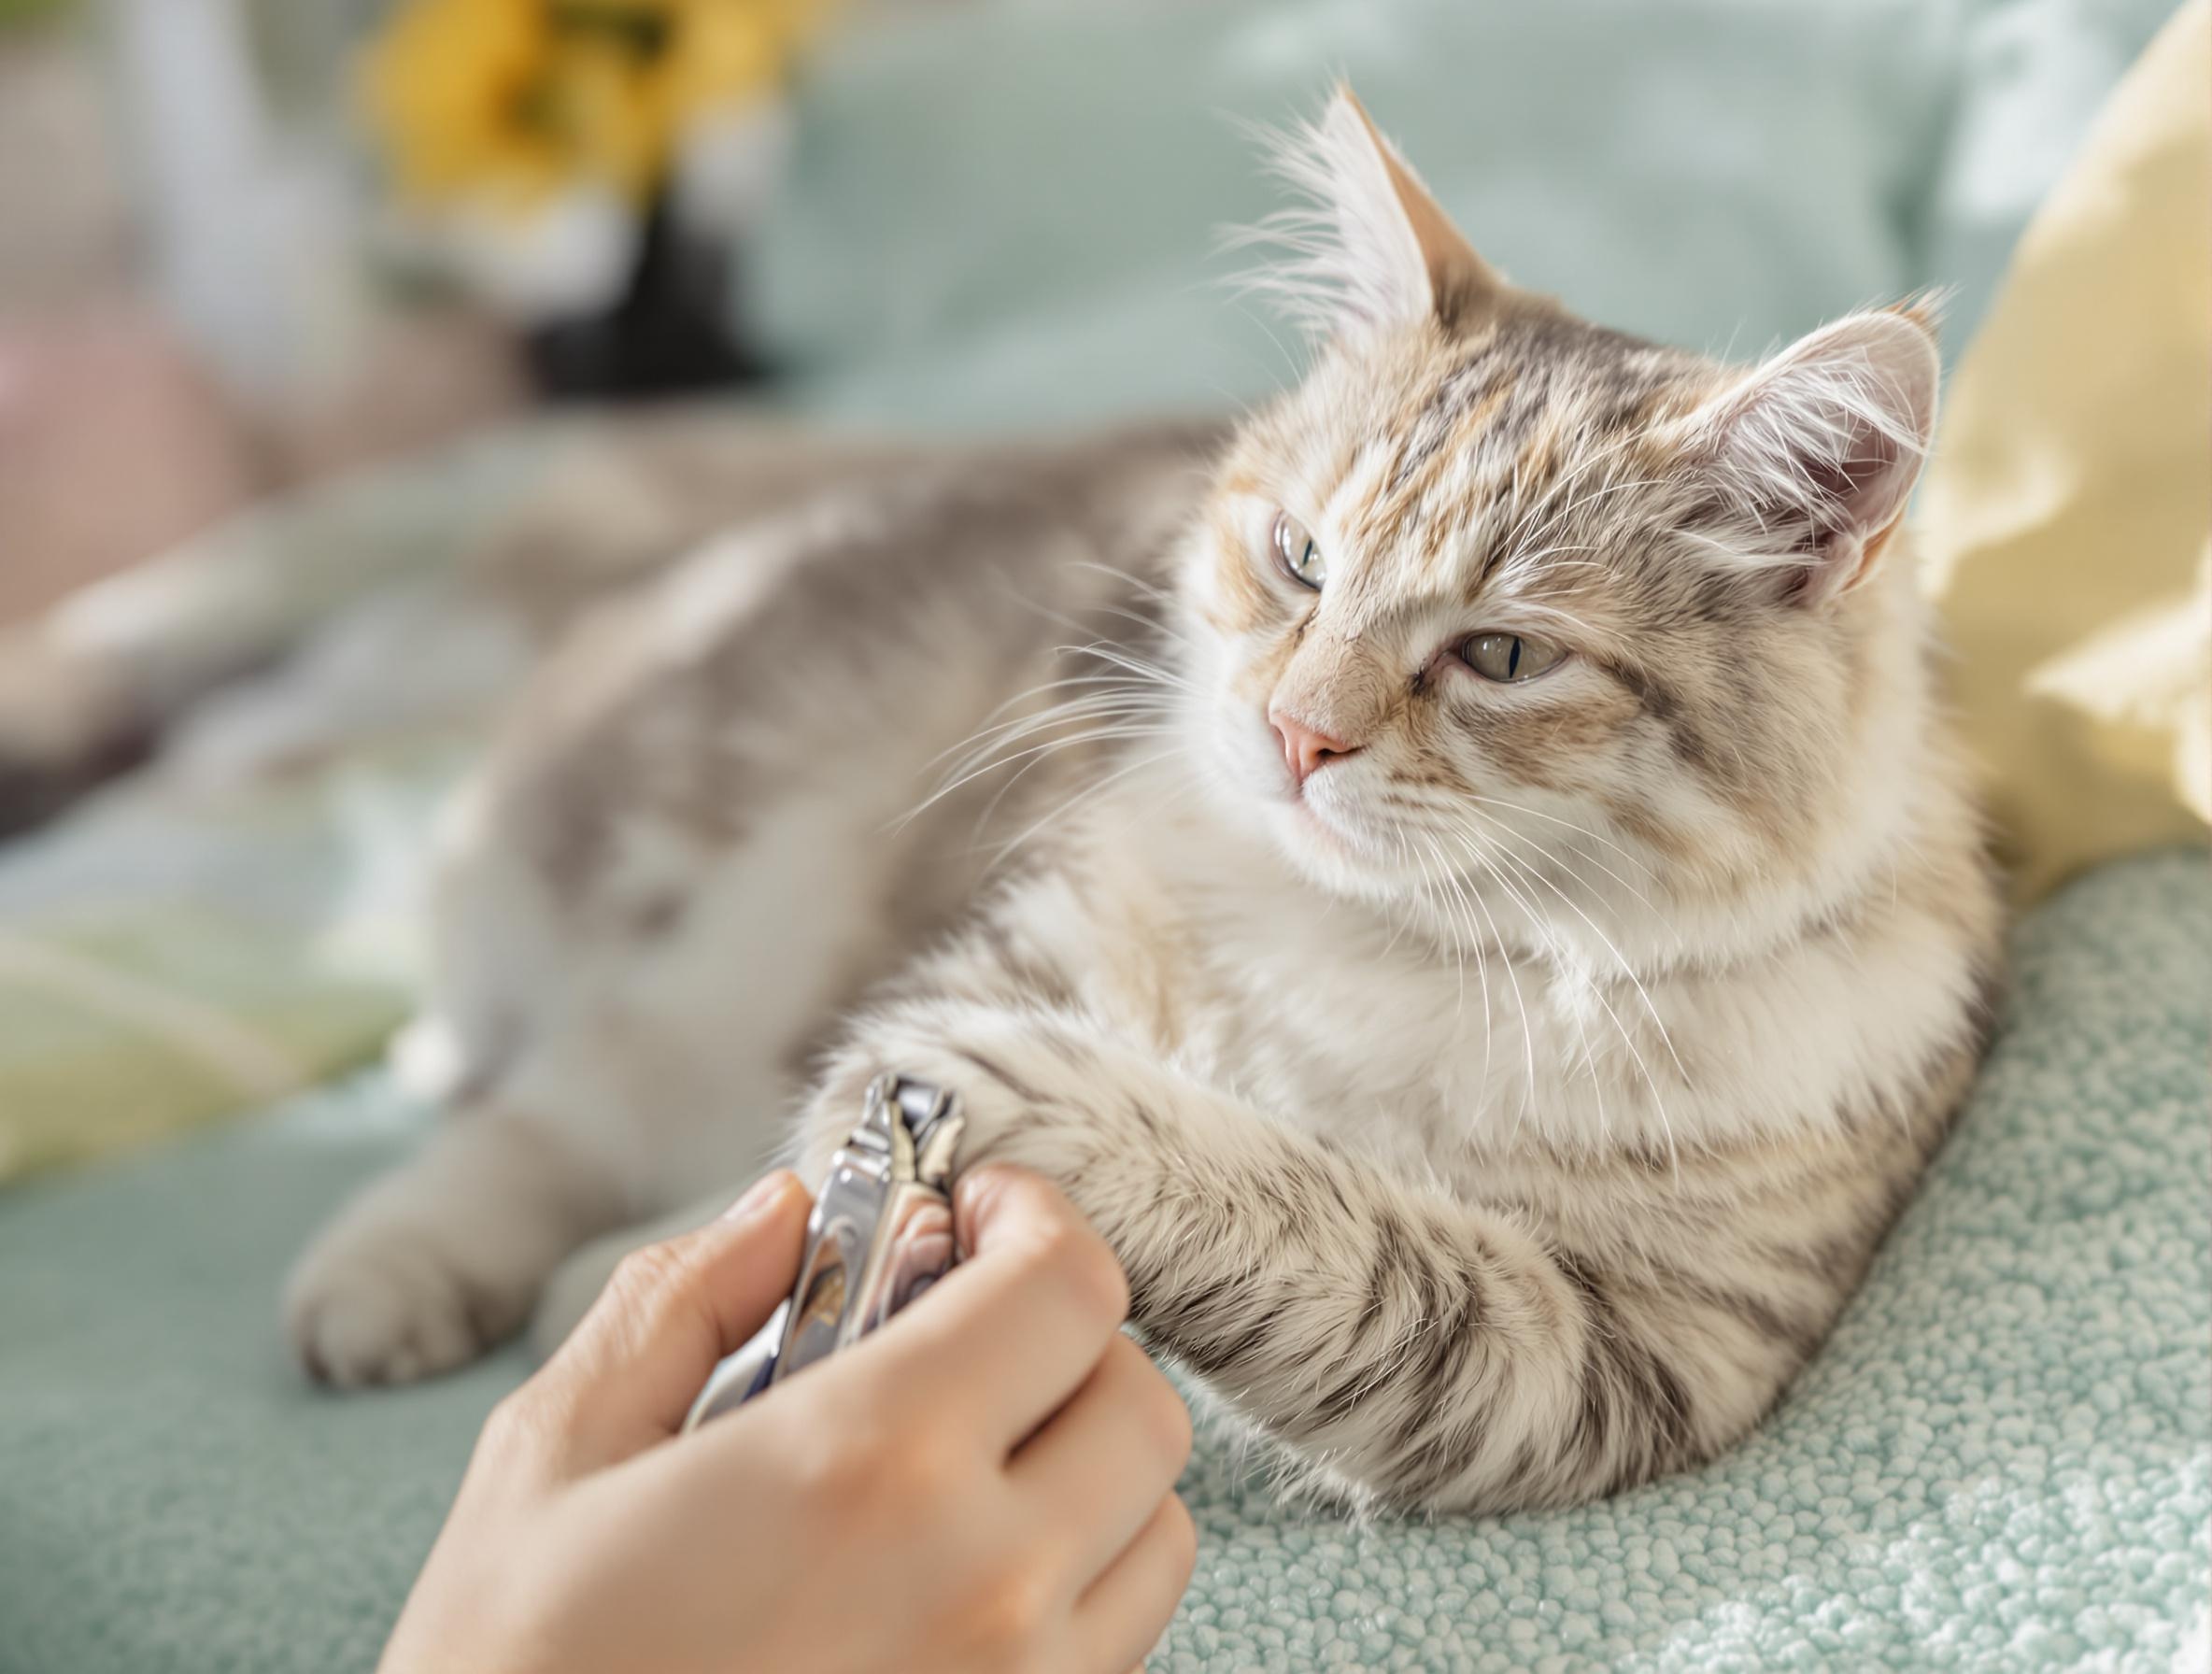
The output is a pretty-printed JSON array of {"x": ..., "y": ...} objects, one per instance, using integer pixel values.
[
  {"x": 370, "y": 1304},
  {"x": 1015, "y": 1085}
]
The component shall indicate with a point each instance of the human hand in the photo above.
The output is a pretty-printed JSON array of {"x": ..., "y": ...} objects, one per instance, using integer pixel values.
[{"x": 986, "y": 1484}]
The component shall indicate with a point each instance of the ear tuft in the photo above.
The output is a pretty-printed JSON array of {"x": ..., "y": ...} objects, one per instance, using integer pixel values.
[
  {"x": 1815, "y": 454},
  {"x": 1367, "y": 246},
  {"x": 1927, "y": 307}
]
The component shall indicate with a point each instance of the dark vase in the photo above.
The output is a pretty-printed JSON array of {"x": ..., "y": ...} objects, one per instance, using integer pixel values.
[{"x": 669, "y": 333}]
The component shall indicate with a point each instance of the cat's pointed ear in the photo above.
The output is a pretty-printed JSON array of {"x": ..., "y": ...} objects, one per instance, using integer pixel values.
[
  {"x": 1374, "y": 249},
  {"x": 1814, "y": 455}
]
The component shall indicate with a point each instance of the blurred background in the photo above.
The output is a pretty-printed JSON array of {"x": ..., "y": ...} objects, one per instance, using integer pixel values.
[{"x": 244, "y": 244}]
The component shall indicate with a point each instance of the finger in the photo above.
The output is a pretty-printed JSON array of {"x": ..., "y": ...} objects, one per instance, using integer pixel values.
[
  {"x": 1122, "y": 1617},
  {"x": 630, "y": 1370},
  {"x": 1011, "y": 1332},
  {"x": 1101, "y": 1463}
]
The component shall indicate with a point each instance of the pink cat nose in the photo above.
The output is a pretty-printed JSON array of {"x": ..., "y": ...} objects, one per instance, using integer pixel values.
[{"x": 1304, "y": 748}]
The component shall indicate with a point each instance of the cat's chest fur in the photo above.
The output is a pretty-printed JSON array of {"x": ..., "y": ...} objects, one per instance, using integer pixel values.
[
  {"x": 1191, "y": 940},
  {"x": 1330, "y": 1016}
]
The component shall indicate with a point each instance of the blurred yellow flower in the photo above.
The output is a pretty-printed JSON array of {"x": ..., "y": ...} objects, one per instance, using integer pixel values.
[{"x": 506, "y": 102}]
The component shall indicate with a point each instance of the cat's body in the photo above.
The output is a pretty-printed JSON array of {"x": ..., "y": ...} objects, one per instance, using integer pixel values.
[{"x": 1499, "y": 1120}]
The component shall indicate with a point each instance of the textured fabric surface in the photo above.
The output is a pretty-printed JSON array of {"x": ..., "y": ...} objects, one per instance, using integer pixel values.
[{"x": 2002, "y": 1462}]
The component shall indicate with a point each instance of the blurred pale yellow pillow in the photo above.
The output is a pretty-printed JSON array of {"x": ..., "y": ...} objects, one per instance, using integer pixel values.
[{"x": 2067, "y": 519}]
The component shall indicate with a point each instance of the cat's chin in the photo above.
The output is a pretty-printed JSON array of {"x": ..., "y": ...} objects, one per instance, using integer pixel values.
[
  {"x": 1323, "y": 845},
  {"x": 1329, "y": 854}
]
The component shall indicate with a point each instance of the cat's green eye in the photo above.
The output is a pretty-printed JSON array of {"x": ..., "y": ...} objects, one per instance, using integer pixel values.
[
  {"x": 1507, "y": 657},
  {"x": 1297, "y": 554}
]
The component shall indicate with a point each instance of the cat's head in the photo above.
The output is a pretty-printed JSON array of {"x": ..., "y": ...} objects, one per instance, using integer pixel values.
[{"x": 1496, "y": 592}]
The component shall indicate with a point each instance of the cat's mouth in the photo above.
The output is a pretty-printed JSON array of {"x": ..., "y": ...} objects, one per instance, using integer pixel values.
[
  {"x": 1332, "y": 848},
  {"x": 1317, "y": 824}
]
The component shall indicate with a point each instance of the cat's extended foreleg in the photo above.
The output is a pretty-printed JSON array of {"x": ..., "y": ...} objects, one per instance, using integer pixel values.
[{"x": 1413, "y": 1350}]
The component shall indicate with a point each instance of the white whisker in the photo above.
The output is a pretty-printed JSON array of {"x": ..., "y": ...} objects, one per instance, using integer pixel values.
[{"x": 1088, "y": 794}]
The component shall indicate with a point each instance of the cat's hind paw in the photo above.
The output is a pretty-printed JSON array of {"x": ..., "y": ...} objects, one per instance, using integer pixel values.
[{"x": 361, "y": 1313}]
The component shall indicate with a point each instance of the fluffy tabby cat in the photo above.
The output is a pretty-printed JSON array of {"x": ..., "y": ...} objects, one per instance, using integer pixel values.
[{"x": 1468, "y": 889}]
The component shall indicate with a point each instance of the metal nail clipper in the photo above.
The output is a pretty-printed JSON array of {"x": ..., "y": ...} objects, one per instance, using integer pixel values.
[{"x": 881, "y": 1233}]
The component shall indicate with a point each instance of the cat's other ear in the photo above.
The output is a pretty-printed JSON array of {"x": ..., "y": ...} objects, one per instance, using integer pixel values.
[
  {"x": 1373, "y": 249},
  {"x": 1813, "y": 456}
]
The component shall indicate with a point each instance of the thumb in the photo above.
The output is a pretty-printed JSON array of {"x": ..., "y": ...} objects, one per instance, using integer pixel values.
[{"x": 630, "y": 1370}]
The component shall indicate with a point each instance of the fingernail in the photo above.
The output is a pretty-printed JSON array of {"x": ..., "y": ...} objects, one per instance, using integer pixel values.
[{"x": 760, "y": 1197}]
